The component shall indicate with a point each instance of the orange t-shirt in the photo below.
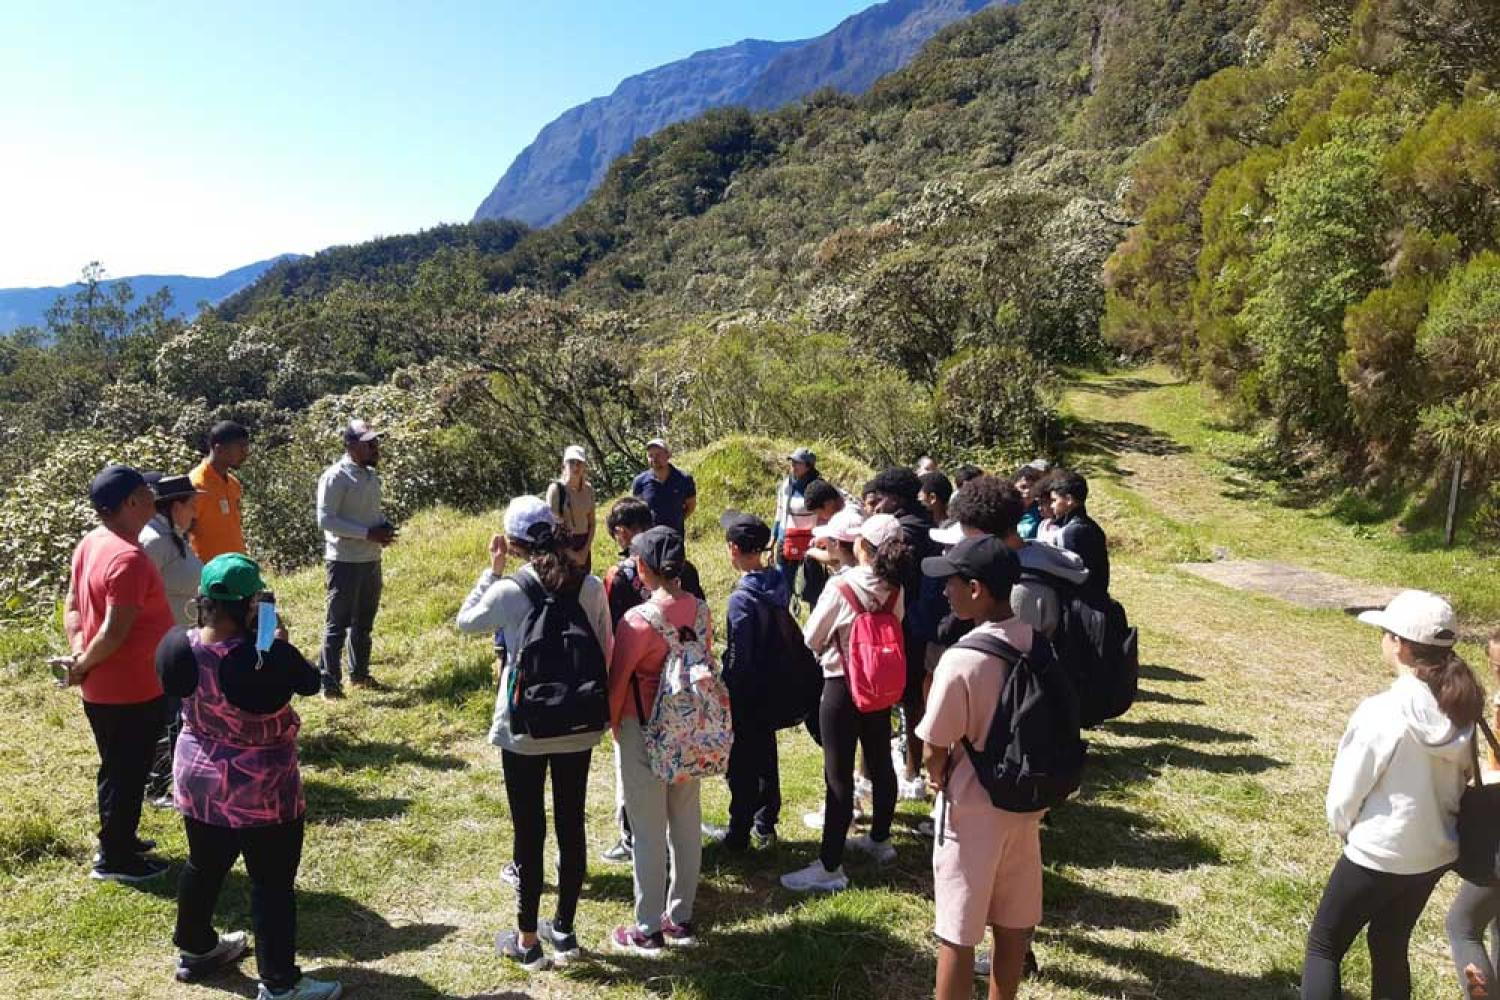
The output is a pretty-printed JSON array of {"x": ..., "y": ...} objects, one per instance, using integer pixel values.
[
  {"x": 218, "y": 528},
  {"x": 110, "y": 570}
]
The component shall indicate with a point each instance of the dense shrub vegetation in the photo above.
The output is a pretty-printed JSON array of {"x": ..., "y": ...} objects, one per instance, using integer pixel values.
[
  {"x": 1316, "y": 237},
  {"x": 1296, "y": 200}
]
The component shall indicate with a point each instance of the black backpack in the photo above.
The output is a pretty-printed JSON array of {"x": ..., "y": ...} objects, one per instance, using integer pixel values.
[
  {"x": 1098, "y": 648},
  {"x": 1033, "y": 754},
  {"x": 791, "y": 680},
  {"x": 559, "y": 683},
  {"x": 1479, "y": 819}
]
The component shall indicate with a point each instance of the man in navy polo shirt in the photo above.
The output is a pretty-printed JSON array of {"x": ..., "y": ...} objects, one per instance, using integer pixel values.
[{"x": 668, "y": 491}]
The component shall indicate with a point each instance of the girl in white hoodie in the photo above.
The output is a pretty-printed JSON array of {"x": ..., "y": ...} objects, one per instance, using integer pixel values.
[{"x": 1393, "y": 798}]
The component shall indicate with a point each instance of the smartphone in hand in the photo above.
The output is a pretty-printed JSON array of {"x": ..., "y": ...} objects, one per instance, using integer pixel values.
[{"x": 60, "y": 667}]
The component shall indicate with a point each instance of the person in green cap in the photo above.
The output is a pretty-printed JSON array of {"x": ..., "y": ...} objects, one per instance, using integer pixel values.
[{"x": 237, "y": 780}]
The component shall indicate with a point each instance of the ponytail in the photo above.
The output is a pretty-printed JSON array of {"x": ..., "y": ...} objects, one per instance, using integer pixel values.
[
  {"x": 1453, "y": 684},
  {"x": 558, "y": 573}
]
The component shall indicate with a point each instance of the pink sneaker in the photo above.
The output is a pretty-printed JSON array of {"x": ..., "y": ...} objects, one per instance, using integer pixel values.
[
  {"x": 677, "y": 935},
  {"x": 631, "y": 940}
]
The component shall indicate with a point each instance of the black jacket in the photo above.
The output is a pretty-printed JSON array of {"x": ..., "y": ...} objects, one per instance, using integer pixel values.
[{"x": 1082, "y": 534}]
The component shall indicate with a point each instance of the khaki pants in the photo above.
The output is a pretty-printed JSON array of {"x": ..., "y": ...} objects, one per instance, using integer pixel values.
[{"x": 666, "y": 824}]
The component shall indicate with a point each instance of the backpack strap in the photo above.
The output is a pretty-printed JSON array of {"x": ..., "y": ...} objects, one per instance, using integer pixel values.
[
  {"x": 1489, "y": 736},
  {"x": 848, "y": 594},
  {"x": 652, "y": 615},
  {"x": 890, "y": 602},
  {"x": 990, "y": 645}
]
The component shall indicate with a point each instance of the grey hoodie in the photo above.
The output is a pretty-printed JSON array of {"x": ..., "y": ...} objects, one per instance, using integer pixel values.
[
  {"x": 1397, "y": 780},
  {"x": 1037, "y": 605}
]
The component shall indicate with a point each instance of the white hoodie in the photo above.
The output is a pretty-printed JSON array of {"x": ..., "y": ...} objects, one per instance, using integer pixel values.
[{"x": 1399, "y": 774}]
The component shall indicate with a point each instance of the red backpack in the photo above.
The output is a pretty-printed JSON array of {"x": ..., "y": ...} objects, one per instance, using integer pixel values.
[{"x": 875, "y": 659}]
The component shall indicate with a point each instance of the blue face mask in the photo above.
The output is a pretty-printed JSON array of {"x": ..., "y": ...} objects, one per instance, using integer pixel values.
[{"x": 265, "y": 624}]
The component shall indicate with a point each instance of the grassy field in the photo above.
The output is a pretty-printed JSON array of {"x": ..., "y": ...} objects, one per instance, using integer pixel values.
[{"x": 1189, "y": 867}]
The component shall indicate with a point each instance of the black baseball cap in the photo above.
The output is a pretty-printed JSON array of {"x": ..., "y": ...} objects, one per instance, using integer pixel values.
[
  {"x": 660, "y": 548},
  {"x": 113, "y": 486},
  {"x": 984, "y": 558},
  {"x": 747, "y": 531}
]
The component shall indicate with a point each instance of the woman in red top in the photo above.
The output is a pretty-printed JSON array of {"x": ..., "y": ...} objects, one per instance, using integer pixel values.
[{"x": 666, "y": 820}]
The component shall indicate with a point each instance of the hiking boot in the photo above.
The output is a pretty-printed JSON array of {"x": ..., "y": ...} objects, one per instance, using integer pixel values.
[
  {"x": 631, "y": 940},
  {"x": 508, "y": 945},
  {"x": 882, "y": 851},
  {"x": 677, "y": 935},
  {"x": 816, "y": 878},
  {"x": 510, "y": 874},
  {"x": 564, "y": 944},
  {"x": 228, "y": 950},
  {"x": 620, "y": 854},
  {"x": 307, "y": 988},
  {"x": 136, "y": 869}
]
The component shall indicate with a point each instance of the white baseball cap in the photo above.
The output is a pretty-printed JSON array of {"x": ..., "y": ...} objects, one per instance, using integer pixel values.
[
  {"x": 575, "y": 453},
  {"x": 1417, "y": 616},
  {"x": 843, "y": 526},
  {"x": 657, "y": 443},
  {"x": 879, "y": 529},
  {"x": 524, "y": 516},
  {"x": 948, "y": 534}
]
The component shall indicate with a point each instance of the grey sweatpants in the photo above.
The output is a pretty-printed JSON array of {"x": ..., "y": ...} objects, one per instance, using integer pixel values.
[
  {"x": 1475, "y": 913},
  {"x": 666, "y": 823},
  {"x": 353, "y": 599}
]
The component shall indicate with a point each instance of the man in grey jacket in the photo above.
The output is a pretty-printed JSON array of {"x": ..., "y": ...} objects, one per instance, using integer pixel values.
[{"x": 355, "y": 533}]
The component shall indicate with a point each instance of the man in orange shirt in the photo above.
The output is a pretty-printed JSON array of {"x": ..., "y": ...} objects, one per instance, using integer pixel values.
[{"x": 218, "y": 529}]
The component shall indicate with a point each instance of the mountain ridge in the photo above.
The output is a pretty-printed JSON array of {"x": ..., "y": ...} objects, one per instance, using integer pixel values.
[
  {"x": 28, "y": 305},
  {"x": 571, "y": 155}
]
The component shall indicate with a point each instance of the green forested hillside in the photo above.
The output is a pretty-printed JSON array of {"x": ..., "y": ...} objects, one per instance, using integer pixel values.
[
  {"x": 1317, "y": 237},
  {"x": 1296, "y": 200}
]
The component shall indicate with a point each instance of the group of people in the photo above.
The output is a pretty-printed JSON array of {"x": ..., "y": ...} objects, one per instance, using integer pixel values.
[
  {"x": 187, "y": 681},
  {"x": 935, "y": 561}
]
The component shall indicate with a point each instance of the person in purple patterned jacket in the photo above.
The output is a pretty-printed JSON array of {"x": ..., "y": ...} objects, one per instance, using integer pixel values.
[{"x": 237, "y": 780}]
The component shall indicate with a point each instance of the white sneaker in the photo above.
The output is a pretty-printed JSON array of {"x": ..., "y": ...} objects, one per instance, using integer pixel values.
[
  {"x": 914, "y": 790},
  {"x": 816, "y": 878},
  {"x": 881, "y": 850},
  {"x": 813, "y": 820}
]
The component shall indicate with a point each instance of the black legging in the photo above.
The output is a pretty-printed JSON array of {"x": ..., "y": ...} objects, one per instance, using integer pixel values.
[
  {"x": 1355, "y": 897},
  {"x": 843, "y": 728},
  {"x": 272, "y": 855},
  {"x": 525, "y": 790},
  {"x": 1475, "y": 911}
]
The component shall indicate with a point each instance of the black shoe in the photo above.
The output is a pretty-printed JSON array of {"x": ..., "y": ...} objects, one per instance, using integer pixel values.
[
  {"x": 333, "y": 692},
  {"x": 142, "y": 846},
  {"x": 368, "y": 684},
  {"x": 1032, "y": 967},
  {"x": 136, "y": 869},
  {"x": 508, "y": 945},
  {"x": 564, "y": 943}
]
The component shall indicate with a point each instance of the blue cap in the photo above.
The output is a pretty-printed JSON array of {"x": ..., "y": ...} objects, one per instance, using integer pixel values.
[{"x": 113, "y": 487}]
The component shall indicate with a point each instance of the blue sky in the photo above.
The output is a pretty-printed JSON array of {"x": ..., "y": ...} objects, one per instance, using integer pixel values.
[{"x": 193, "y": 138}]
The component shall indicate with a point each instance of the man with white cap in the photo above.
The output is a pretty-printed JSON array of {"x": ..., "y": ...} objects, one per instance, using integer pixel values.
[
  {"x": 355, "y": 533},
  {"x": 668, "y": 491},
  {"x": 571, "y": 497},
  {"x": 1401, "y": 769}
]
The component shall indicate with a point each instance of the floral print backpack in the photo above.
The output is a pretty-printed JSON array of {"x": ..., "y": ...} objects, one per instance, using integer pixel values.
[{"x": 688, "y": 733}]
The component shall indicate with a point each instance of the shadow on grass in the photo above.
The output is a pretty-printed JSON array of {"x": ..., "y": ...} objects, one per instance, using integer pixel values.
[
  {"x": 1158, "y": 672},
  {"x": 817, "y": 951},
  {"x": 1162, "y": 729},
  {"x": 1143, "y": 696},
  {"x": 1087, "y": 834},
  {"x": 327, "y": 923},
  {"x": 337, "y": 750},
  {"x": 358, "y": 982},
  {"x": 1073, "y": 904},
  {"x": 1131, "y": 765},
  {"x": 1158, "y": 975},
  {"x": 331, "y": 803},
  {"x": 1099, "y": 444}
]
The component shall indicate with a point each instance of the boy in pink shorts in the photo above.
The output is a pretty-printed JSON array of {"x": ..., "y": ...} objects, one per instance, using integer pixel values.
[{"x": 986, "y": 862}]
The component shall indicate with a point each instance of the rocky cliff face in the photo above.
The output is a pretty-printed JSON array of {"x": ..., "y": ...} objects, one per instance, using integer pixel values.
[{"x": 569, "y": 157}]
